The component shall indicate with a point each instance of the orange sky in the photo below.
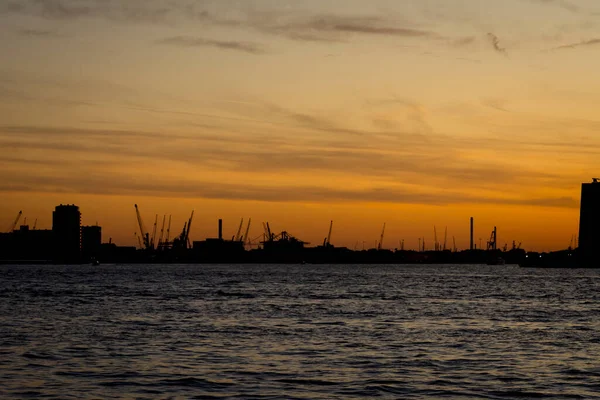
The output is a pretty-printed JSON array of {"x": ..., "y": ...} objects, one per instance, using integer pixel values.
[{"x": 414, "y": 113}]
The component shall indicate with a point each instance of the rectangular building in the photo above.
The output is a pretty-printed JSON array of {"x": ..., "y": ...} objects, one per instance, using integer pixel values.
[
  {"x": 91, "y": 241},
  {"x": 589, "y": 225},
  {"x": 66, "y": 228}
]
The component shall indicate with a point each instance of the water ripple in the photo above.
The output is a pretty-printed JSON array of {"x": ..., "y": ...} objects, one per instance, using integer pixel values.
[{"x": 298, "y": 332}]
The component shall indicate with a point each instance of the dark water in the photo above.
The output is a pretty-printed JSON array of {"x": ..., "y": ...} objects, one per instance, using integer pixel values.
[{"x": 298, "y": 332}]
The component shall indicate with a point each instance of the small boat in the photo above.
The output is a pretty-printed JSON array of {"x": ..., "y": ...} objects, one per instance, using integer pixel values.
[{"x": 496, "y": 261}]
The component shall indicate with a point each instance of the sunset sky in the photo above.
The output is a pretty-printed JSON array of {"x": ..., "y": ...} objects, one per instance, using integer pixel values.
[{"x": 417, "y": 113}]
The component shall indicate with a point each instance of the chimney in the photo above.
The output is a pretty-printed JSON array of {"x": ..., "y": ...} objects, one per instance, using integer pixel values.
[
  {"x": 471, "y": 233},
  {"x": 220, "y": 229}
]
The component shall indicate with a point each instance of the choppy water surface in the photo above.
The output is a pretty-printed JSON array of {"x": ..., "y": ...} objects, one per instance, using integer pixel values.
[{"x": 305, "y": 332}]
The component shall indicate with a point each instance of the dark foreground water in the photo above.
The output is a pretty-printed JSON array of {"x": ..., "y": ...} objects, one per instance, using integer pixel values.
[{"x": 308, "y": 332}]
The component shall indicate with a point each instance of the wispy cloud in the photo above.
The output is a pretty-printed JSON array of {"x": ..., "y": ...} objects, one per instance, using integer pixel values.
[
  {"x": 562, "y": 4},
  {"x": 104, "y": 183},
  {"x": 39, "y": 33},
  {"x": 585, "y": 43},
  {"x": 496, "y": 104},
  {"x": 131, "y": 11},
  {"x": 495, "y": 41},
  {"x": 332, "y": 28},
  {"x": 291, "y": 25},
  {"x": 190, "y": 41},
  {"x": 410, "y": 162}
]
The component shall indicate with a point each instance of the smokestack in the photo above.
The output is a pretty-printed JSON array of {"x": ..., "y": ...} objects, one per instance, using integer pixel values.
[
  {"x": 471, "y": 233},
  {"x": 220, "y": 229}
]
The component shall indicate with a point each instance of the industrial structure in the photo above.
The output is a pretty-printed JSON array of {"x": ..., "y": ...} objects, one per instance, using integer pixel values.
[
  {"x": 66, "y": 230},
  {"x": 589, "y": 224},
  {"x": 68, "y": 242}
]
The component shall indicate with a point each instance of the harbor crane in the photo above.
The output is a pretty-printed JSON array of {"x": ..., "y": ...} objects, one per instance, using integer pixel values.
[
  {"x": 184, "y": 237},
  {"x": 381, "y": 238},
  {"x": 493, "y": 243},
  {"x": 245, "y": 238},
  {"x": 238, "y": 236},
  {"x": 168, "y": 230},
  {"x": 327, "y": 241},
  {"x": 145, "y": 235},
  {"x": 13, "y": 226},
  {"x": 445, "y": 239},
  {"x": 162, "y": 232},
  {"x": 189, "y": 227},
  {"x": 138, "y": 239},
  {"x": 153, "y": 240},
  {"x": 269, "y": 237}
]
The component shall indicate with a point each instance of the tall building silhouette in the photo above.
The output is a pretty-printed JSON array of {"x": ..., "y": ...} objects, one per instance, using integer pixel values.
[
  {"x": 91, "y": 242},
  {"x": 589, "y": 225},
  {"x": 66, "y": 229}
]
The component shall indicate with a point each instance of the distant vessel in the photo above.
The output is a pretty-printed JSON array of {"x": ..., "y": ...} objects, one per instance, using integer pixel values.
[{"x": 496, "y": 261}]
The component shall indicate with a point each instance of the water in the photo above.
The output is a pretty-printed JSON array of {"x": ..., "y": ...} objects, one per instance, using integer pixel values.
[{"x": 298, "y": 332}]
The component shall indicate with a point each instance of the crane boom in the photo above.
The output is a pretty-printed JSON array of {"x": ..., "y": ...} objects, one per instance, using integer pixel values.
[
  {"x": 168, "y": 231},
  {"x": 445, "y": 238},
  {"x": 270, "y": 237},
  {"x": 245, "y": 238},
  {"x": 381, "y": 238},
  {"x": 162, "y": 232},
  {"x": 329, "y": 235},
  {"x": 189, "y": 227},
  {"x": 143, "y": 233},
  {"x": 139, "y": 240},
  {"x": 154, "y": 232},
  {"x": 239, "y": 231},
  {"x": 16, "y": 221}
]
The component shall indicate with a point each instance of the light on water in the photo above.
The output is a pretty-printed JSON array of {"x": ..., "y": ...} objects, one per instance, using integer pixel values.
[{"x": 294, "y": 332}]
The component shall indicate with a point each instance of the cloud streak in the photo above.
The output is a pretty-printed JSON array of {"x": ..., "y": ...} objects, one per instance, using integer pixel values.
[
  {"x": 585, "y": 43},
  {"x": 190, "y": 41},
  {"x": 562, "y": 4},
  {"x": 495, "y": 41},
  {"x": 295, "y": 26},
  {"x": 413, "y": 168},
  {"x": 39, "y": 33},
  {"x": 105, "y": 184},
  {"x": 129, "y": 11}
]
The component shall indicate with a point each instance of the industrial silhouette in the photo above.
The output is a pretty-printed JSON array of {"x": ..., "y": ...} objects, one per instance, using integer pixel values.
[
  {"x": 70, "y": 243},
  {"x": 589, "y": 225}
]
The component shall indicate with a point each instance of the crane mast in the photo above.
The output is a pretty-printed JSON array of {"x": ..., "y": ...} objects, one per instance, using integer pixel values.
[
  {"x": 168, "y": 231},
  {"x": 238, "y": 235},
  {"x": 162, "y": 231},
  {"x": 245, "y": 239},
  {"x": 493, "y": 243},
  {"x": 16, "y": 221},
  {"x": 144, "y": 234},
  {"x": 154, "y": 232},
  {"x": 186, "y": 241},
  {"x": 270, "y": 235},
  {"x": 445, "y": 238},
  {"x": 381, "y": 238}
]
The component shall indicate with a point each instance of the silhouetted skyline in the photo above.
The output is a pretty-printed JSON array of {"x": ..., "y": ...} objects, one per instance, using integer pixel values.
[{"x": 418, "y": 113}]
